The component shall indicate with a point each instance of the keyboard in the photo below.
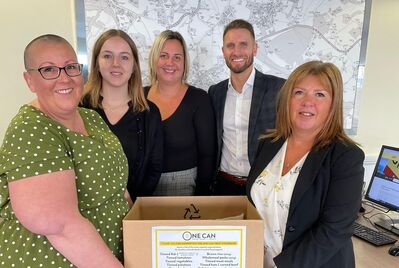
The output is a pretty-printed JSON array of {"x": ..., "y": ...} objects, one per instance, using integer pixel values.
[{"x": 372, "y": 236}]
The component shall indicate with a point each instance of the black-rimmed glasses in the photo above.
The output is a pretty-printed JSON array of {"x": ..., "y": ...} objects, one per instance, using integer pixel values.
[{"x": 53, "y": 72}]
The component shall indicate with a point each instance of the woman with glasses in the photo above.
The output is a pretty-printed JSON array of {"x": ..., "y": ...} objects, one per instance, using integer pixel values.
[
  {"x": 114, "y": 90},
  {"x": 62, "y": 171},
  {"x": 187, "y": 118}
]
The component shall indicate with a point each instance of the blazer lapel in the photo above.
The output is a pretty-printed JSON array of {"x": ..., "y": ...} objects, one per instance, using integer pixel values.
[
  {"x": 220, "y": 100},
  {"x": 258, "y": 93},
  {"x": 268, "y": 151},
  {"x": 307, "y": 175}
]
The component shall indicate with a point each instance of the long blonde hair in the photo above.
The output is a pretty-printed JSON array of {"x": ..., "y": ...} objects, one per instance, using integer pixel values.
[
  {"x": 94, "y": 83},
  {"x": 331, "y": 78}
]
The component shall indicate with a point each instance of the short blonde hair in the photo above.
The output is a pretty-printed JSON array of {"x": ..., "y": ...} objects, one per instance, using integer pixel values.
[
  {"x": 331, "y": 78},
  {"x": 156, "y": 51},
  {"x": 135, "y": 85}
]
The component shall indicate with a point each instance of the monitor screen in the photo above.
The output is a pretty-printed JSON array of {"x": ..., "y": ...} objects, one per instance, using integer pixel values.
[{"x": 383, "y": 188}]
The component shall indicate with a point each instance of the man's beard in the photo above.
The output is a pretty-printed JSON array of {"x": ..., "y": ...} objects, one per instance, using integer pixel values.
[{"x": 241, "y": 69}]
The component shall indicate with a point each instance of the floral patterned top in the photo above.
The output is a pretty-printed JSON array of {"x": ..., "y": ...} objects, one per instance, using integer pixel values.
[{"x": 271, "y": 194}]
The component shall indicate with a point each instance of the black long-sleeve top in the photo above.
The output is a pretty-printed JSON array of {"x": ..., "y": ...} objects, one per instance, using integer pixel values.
[
  {"x": 140, "y": 134},
  {"x": 190, "y": 138}
]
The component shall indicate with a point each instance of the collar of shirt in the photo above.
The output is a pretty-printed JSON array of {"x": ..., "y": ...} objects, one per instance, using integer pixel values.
[{"x": 247, "y": 86}]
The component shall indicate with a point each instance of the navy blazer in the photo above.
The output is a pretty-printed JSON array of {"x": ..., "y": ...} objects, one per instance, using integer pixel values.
[
  {"x": 323, "y": 207},
  {"x": 262, "y": 113}
]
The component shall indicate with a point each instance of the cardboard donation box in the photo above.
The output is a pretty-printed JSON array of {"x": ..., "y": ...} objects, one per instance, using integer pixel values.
[{"x": 193, "y": 232}]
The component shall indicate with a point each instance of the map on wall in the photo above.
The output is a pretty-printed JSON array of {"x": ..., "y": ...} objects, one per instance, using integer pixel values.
[{"x": 288, "y": 33}]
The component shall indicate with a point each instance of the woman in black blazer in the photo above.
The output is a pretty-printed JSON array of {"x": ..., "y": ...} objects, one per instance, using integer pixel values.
[{"x": 307, "y": 178}]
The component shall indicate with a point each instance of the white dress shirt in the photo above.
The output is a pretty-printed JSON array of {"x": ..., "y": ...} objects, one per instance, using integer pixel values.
[
  {"x": 235, "y": 129},
  {"x": 272, "y": 194}
]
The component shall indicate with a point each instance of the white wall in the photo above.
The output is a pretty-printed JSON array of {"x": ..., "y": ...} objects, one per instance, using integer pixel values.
[
  {"x": 378, "y": 124},
  {"x": 379, "y": 117},
  {"x": 21, "y": 21}
]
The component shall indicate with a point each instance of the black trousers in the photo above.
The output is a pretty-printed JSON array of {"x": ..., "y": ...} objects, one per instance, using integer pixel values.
[{"x": 225, "y": 187}]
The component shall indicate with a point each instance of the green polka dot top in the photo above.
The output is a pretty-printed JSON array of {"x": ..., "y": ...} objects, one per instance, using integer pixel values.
[{"x": 35, "y": 144}]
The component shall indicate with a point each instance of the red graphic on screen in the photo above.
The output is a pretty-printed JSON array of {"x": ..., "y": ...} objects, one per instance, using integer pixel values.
[{"x": 390, "y": 169}]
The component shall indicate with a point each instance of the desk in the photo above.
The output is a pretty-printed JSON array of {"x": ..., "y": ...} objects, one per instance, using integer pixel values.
[{"x": 368, "y": 255}]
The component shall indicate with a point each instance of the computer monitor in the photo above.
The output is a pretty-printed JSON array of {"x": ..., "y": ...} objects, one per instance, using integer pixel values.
[{"x": 383, "y": 188}]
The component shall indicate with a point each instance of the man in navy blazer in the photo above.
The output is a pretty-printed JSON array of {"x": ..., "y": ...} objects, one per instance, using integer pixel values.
[{"x": 245, "y": 107}]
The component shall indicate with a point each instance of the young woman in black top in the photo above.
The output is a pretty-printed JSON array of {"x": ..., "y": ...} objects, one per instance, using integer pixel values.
[
  {"x": 114, "y": 90},
  {"x": 187, "y": 118}
]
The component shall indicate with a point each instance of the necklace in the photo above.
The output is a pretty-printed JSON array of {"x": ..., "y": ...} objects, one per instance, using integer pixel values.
[
  {"x": 107, "y": 107},
  {"x": 293, "y": 161}
]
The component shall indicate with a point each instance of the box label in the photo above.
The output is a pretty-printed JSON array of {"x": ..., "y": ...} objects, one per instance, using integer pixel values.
[{"x": 198, "y": 246}]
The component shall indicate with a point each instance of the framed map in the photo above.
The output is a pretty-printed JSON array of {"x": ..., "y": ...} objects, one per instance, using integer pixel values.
[{"x": 288, "y": 33}]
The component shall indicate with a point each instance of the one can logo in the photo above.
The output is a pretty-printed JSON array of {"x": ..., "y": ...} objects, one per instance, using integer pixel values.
[{"x": 186, "y": 236}]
